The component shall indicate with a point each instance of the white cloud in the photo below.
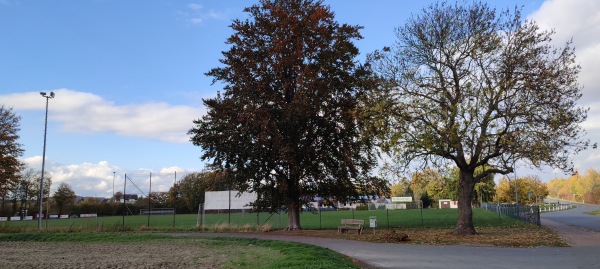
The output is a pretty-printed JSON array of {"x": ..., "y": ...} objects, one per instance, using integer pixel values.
[
  {"x": 81, "y": 112},
  {"x": 195, "y": 6},
  {"x": 198, "y": 14},
  {"x": 35, "y": 161},
  {"x": 578, "y": 20},
  {"x": 98, "y": 179},
  {"x": 594, "y": 157},
  {"x": 593, "y": 120}
]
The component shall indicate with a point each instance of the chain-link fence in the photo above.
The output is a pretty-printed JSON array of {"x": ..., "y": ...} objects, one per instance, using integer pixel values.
[
  {"x": 310, "y": 220},
  {"x": 326, "y": 218}
]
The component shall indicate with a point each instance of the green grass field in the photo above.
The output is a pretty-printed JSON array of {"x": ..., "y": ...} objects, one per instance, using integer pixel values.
[{"x": 442, "y": 218}]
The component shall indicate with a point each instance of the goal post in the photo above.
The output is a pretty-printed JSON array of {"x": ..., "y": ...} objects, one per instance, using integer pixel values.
[{"x": 157, "y": 211}]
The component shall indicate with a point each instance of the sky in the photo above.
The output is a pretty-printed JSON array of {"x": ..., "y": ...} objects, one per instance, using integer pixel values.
[{"x": 129, "y": 78}]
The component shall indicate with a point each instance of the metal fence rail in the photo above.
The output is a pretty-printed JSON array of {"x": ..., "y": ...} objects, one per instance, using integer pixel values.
[
  {"x": 555, "y": 207},
  {"x": 526, "y": 213}
]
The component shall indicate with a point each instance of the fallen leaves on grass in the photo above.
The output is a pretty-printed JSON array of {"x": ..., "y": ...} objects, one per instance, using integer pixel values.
[{"x": 517, "y": 236}]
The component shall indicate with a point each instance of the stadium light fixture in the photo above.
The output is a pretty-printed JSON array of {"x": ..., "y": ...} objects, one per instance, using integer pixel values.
[{"x": 41, "y": 198}]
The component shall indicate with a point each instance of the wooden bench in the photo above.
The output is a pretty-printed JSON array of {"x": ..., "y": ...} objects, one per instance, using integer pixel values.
[{"x": 351, "y": 224}]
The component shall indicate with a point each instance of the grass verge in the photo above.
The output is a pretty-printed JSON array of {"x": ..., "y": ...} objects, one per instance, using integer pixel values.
[{"x": 595, "y": 212}]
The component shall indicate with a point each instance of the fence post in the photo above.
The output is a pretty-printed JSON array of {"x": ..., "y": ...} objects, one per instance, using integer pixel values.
[
  {"x": 387, "y": 215},
  {"x": 320, "y": 218},
  {"x": 200, "y": 218},
  {"x": 422, "y": 223},
  {"x": 123, "y": 204}
]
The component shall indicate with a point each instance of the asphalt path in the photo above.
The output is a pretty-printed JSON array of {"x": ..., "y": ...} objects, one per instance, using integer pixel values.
[
  {"x": 380, "y": 255},
  {"x": 576, "y": 216}
]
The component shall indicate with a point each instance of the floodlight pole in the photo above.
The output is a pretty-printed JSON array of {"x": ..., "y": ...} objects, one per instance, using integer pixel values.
[
  {"x": 48, "y": 97},
  {"x": 113, "y": 196}
]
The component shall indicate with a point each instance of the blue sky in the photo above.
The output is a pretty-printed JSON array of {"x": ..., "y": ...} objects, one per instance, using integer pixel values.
[{"x": 129, "y": 77}]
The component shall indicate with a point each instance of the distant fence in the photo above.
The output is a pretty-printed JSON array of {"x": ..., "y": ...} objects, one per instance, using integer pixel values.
[
  {"x": 555, "y": 207},
  {"x": 526, "y": 213}
]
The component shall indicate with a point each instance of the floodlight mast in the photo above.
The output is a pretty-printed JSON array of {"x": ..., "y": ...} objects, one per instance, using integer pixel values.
[{"x": 48, "y": 97}]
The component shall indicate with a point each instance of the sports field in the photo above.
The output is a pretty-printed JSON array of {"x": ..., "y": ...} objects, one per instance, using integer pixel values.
[{"x": 442, "y": 218}]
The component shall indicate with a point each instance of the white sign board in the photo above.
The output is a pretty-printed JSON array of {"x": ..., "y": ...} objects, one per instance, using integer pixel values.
[
  {"x": 401, "y": 199},
  {"x": 214, "y": 200}
]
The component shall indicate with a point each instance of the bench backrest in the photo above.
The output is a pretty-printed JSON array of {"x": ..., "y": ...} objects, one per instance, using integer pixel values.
[{"x": 353, "y": 222}]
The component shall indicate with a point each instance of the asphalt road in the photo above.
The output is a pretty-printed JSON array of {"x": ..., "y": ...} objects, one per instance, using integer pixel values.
[
  {"x": 418, "y": 256},
  {"x": 576, "y": 216}
]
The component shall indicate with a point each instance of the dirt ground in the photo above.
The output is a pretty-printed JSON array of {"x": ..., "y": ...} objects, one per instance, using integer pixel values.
[{"x": 102, "y": 255}]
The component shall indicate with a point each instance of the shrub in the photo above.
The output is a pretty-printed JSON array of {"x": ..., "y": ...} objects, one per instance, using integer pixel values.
[{"x": 362, "y": 207}]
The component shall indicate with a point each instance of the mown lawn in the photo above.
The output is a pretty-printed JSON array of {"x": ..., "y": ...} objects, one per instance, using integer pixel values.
[
  {"x": 429, "y": 226},
  {"x": 412, "y": 218}
]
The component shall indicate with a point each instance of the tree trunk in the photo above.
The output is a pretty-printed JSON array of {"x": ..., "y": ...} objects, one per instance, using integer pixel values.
[
  {"x": 464, "y": 225},
  {"x": 294, "y": 206},
  {"x": 294, "y": 216}
]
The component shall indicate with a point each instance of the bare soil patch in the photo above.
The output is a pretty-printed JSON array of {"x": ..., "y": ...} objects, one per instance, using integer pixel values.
[{"x": 151, "y": 254}]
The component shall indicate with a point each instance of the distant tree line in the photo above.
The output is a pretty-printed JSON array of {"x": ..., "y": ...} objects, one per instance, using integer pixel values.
[
  {"x": 579, "y": 187},
  {"x": 528, "y": 190},
  {"x": 431, "y": 185}
]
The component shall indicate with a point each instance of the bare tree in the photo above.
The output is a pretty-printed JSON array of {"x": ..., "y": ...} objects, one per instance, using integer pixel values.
[{"x": 479, "y": 89}]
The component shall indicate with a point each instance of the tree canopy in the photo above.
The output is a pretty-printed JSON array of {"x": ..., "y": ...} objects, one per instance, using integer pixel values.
[
  {"x": 64, "y": 196},
  {"x": 479, "y": 88},
  {"x": 530, "y": 190},
  {"x": 288, "y": 123},
  {"x": 10, "y": 150},
  {"x": 584, "y": 187}
]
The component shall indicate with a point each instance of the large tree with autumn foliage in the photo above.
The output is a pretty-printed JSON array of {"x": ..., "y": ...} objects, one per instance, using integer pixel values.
[
  {"x": 288, "y": 122},
  {"x": 480, "y": 89},
  {"x": 10, "y": 151}
]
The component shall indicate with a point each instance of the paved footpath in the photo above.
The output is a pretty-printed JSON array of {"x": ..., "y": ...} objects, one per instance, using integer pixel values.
[
  {"x": 583, "y": 253},
  {"x": 575, "y": 226}
]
